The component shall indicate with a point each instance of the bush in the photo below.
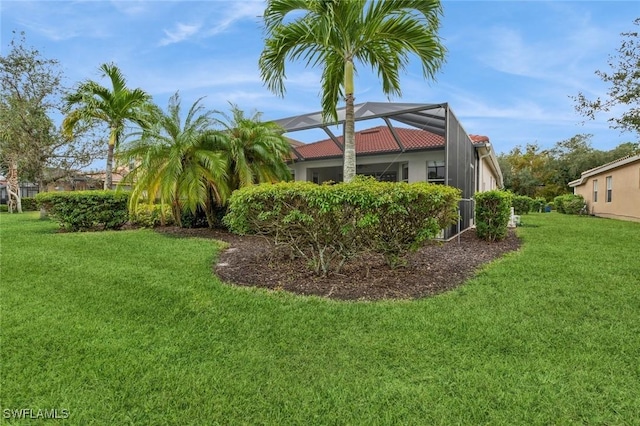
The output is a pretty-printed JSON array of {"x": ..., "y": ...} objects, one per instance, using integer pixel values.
[
  {"x": 539, "y": 204},
  {"x": 569, "y": 203},
  {"x": 331, "y": 224},
  {"x": 522, "y": 204},
  {"x": 198, "y": 219},
  {"x": 493, "y": 210},
  {"x": 150, "y": 216},
  {"x": 29, "y": 204},
  {"x": 86, "y": 210},
  {"x": 559, "y": 204}
]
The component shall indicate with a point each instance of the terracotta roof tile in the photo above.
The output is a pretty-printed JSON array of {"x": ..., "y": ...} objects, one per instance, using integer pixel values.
[
  {"x": 477, "y": 139},
  {"x": 375, "y": 140}
]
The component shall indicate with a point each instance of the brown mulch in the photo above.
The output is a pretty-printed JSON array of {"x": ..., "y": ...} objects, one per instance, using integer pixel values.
[{"x": 435, "y": 268}]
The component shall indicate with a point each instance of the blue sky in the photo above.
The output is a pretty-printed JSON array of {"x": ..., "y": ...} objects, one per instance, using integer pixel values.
[{"x": 511, "y": 65}]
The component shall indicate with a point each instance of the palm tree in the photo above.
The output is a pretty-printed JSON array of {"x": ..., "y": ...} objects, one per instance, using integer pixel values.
[
  {"x": 256, "y": 151},
  {"x": 177, "y": 162},
  {"x": 115, "y": 107},
  {"x": 337, "y": 34}
]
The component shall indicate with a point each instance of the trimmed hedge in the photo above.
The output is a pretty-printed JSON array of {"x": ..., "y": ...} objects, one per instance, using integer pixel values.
[
  {"x": 493, "y": 210},
  {"x": 569, "y": 203},
  {"x": 29, "y": 204},
  {"x": 330, "y": 224},
  {"x": 86, "y": 210}
]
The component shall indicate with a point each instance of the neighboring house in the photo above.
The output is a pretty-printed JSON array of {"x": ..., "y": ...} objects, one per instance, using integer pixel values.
[
  {"x": 435, "y": 148},
  {"x": 117, "y": 175},
  {"x": 613, "y": 189}
]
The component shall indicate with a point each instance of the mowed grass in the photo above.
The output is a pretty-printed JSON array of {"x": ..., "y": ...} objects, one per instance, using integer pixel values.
[{"x": 131, "y": 327}]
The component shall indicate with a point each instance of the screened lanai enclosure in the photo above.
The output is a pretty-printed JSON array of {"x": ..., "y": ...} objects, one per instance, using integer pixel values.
[{"x": 399, "y": 158}]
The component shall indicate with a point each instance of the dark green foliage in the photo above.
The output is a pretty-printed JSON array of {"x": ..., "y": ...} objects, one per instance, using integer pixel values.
[
  {"x": 150, "y": 216},
  {"x": 522, "y": 204},
  {"x": 558, "y": 203},
  {"x": 569, "y": 204},
  {"x": 86, "y": 210},
  {"x": 29, "y": 204},
  {"x": 538, "y": 205},
  {"x": 330, "y": 224},
  {"x": 197, "y": 219},
  {"x": 493, "y": 209}
]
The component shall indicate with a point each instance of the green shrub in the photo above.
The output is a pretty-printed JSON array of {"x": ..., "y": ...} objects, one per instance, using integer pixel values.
[
  {"x": 29, "y": 204},
  {"x": 331, "y": 224},
  {"x": 539, "y": 204},
  {"x": 522, "y": 204},
  {"x": 4, "y": 208},
  {"x": 573, "y": 204},
  {"x": 558, "y": 203},
  {"x": 150, "y": 216},
  {"x": 86, "y": 210},
  {"x": 569, "y": 203},
  {"x": 493, "y": 210}
]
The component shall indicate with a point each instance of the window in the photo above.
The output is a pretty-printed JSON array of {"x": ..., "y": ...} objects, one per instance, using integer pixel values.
[
  {"x": 609, "y": 188},
  {"x": 315, "y": 177},
  {"x": 435, "y": 172},
  {"x": 595, "y": 191},
  {"x": 405, "y": 172}
]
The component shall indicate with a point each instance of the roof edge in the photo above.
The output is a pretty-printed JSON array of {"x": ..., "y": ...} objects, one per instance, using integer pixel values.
[{"x": 604, "y": 168}]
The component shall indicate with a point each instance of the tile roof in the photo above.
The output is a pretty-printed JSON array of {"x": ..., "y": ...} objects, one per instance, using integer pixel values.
[
  {"x": 374, "y": 140},
  {"x": 478, "y": 139}
]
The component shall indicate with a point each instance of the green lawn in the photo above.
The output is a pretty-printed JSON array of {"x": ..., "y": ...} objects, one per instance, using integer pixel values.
[{"x": 131, "y": 327}]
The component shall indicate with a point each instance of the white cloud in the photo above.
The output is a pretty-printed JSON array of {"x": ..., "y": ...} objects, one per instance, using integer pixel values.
[
  {"x": 238, "y": 11},
  {"x": 180, "y": 33},
  {"x": 131, "y": 7}
]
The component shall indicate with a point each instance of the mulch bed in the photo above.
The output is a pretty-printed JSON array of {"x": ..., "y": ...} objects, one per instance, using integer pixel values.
[{"x": 435, "y": 268}]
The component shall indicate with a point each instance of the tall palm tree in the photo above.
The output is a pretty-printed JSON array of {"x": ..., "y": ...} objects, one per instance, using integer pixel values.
[
  {"x": 337, "y": 34},
  {"x": 177, "y": 163},
  {"x": 115, "y": 107},
  {"x": 256, "y": 151}
]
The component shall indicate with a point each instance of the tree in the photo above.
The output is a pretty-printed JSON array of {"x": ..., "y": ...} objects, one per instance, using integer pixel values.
[
  {"x": 31, "y": 146},
  {"x": 546, "y": 173},
  {"x": 525, "y": 171},
  {"x": 115, "y": 107},
  {"x": 624, "y": 86},
  {"x": 256, "y": 151},
  {"x": 176, "y": 162},
  {"x": 338, "y": 34}
]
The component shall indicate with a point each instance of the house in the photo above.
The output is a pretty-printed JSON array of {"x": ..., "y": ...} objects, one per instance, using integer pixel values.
[
  {"x": 613, "y": 189},
  {"x": 412, "y": 143}
]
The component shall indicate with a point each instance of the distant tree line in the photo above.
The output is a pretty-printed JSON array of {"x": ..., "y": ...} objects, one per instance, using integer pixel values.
[{"x": 535, "y": 172}]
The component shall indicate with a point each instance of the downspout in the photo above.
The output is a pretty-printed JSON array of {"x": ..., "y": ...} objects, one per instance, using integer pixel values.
[{"x": 482, "y": 157}]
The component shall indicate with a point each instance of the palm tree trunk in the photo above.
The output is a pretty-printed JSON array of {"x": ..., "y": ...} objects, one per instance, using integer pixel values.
[
  {"x": 108, "y": 174},
  {"x": 349, "y": 166}
]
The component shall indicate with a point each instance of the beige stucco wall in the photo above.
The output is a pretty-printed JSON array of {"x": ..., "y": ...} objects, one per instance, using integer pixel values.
[
  {"x": 625, "y": 195},
  {"x": 487, "y": 179}
]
